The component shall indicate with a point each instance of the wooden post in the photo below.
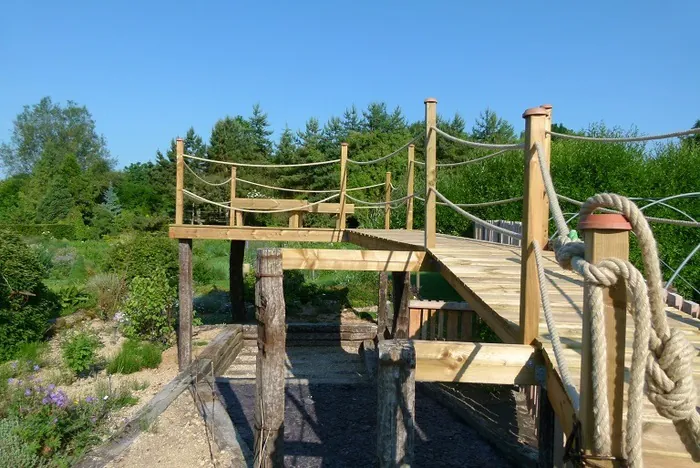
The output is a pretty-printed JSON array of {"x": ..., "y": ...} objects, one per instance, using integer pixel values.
[
  {"x": 387, "y": 200},
  {"x": 545, "y": 430},
  {"x": 232, "y": 212},
  {"x": 396, "y": 387},
  {"x": 270, "y": 362},
  {"x": 237, "y": 281},
  {"x": 294, "y": 219},
  {"x": 606, "y": 236},
  {"x": 401, "y": 291},
  {"x": 430, "y": 170},
  {"x": 409, "y": 186},
  {"x": 547, "y": 147},
  {"x": 343, "y": 184},
  {"x": 535, "y": 213},
  {"x": 184, "y": 331},
  {"x": 180, "y": 181},
  {"x": 382, "y": 312}
]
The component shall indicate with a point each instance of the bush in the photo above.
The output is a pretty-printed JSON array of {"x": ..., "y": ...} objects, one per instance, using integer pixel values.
[
  {"x": 203, "y": 272},
  {"x": 80, "y": 351},
  {"x": 73, "y": 298},
  {"x": 142, "y": 255},
  {"x": 13, "y": 450},
  {"x": 25, "y": 303},
  {"x": 56, "y": 230},
  {"x": 134, "y": 356},
  {"x": 108, "y": 289},
  {"x": 148, "y": 308}
]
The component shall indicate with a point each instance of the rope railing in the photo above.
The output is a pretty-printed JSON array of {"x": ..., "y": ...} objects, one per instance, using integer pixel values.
[
  {"x": 199, "y": 198},
  {"x": 201, "y": 179},
  {"x": 477, "y": 205},
  {"x": 477, "y": 144},
  {"x": 663, "y": 136},
  {"x": 392, "y": 203},
  {"x": 393, "y": 153},
  {"x": 239, "y": 164},
  {"x": 283, "y": 189},
  {"x": 469, "y": 161}
]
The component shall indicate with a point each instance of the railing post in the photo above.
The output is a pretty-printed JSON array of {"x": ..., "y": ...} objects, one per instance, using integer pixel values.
[
  {"x": 430, "y": 170},
  {"x": 185, "y": 298},
  {"x": 231, "y": 211},
  {"x": 343, "y": 184},
  {"x": 387, "y": 201},
  {"x": 534, "y": 216},
  {"x": 180, "y": 180},
  {"x": 606, "y": 236},
  {"x": 547, "y": 147},
  {"x": 409, "y": 186}
]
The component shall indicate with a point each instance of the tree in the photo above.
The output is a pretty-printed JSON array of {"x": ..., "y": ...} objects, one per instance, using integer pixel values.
[
  {"x": 261, "y": 132},
  {"x": 492, "y": 129},
  {"x": 351, "y": 120},
  {"x": 111, "y": 202},
  {"x": 56, "y": 204}
]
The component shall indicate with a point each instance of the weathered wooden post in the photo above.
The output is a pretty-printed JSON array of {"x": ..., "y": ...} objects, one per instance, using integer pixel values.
[
  {"x": 606, "y": 236},
  {"x": 185, "y": 290},
  {"x": 179, "y": 180},
  {"x": 236, "y": 281},
  {"x": 231, "y": 212},
  {"x": 547, "y": 147},
  {"x": 382, "y": 310},
  {"x": 396, "y": 387},
  {"x": 535, "y": 214},
  {"x": 270, "y": 369},
  {"x": 343, "y": 185},
  {"x": 430, "y": 170},
  {"x": 409, "y": 186},
  {"x": 387, "y": 201},
  {"x": 401, "y": 291}
]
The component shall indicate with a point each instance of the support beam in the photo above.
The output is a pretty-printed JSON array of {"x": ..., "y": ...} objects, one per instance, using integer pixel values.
[
  {"x": 535, "y": 214},
  {"x": 430, "y": 171},
  {"x": 606, "y": 236},
  {"x": 232, "y": 213},
  {"x": 383, "y": 330},
  {"x": 275, "y": 234},
  {"x": 185, "y": 297},
  {"x": 343, "y": 185},
  {"x": 180, "y": 181},
  {"x": 387, "y": 201},
  {"x": 409, "y": 186},
  {"x": 351, "y": 260},
  {"x": 396, "y": 399},
  {"x": 401, "y": 291},
  {"x": 270, "y": 362},
  {"x": 545, "y": 430},
  {"x": 237, "y": 281}
]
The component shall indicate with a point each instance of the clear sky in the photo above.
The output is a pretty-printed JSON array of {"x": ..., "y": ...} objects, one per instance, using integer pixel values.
[{"x": 148, "y": 70}]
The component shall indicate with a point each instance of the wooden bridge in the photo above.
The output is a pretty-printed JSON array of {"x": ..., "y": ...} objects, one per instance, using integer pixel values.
[{"x": 499, "y": 282}]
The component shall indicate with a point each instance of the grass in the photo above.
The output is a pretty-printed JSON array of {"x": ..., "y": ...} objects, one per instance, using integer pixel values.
[{"x": 134, "y": 356}]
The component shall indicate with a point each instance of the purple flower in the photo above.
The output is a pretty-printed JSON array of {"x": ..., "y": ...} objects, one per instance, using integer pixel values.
[
  {"x": 10, "y": 381},
  {"x": 93, "y": 419},
  {"x": 14, "y": 365},
  {"x": 46, "y": 400},
  {"x": 51, "y": 387},
  {"x": 90, "y": 399},
  {"x": 27, "y": 392},
  {"x": 36, "y": 367}
]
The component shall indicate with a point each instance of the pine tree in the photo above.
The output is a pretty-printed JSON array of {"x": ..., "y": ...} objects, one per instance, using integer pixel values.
[
  {"x": 351, "y": 120},
  {"x": 492, "y": 129},
  {"x": 111, "y": 202}
]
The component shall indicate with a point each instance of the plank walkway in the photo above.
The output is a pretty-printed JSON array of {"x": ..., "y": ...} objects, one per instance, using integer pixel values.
[{"x": 487, "y": 275}]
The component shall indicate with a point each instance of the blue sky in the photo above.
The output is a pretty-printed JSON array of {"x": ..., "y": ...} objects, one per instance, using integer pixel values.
[{"x": 148, "y": 70}]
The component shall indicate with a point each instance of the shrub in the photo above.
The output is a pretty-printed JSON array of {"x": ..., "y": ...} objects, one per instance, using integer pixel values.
[
  {"x": 80, "y": 351},
  {"x": 134, "y": 356},
  {"x": 203, "y": 272},
  {"x": 108, "y": 289},
  {"x": 25, "y": 303},
  {"x": 148, "y": 308},
  {"x": 143, "y": 255},
  {"x": 73, "y": 298},
  {"x": 13, "y": 450},
  {"x": 56, "y": 230}
]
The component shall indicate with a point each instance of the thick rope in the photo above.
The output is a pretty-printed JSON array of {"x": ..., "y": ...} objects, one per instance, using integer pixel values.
[
  {"x": 283, "y": 189},
  {"x": 238, "y": 164},
  {"x": 194, "y": 196},
  {"x": 204, "y": 180},
  {"x": 476, "y": 144},
  {"x": 469, "y": 161},
  {"x": 476, "y": 219},
  {"x": 663, "y": 136},
  {"x": 393, "y": 153},
  {"x": 392, "y": 203},
  {"x": 478, "y": 205}
]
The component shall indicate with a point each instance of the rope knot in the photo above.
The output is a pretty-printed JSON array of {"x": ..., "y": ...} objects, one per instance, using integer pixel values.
[
  {"x": 670, "y": 377},
  {"x": 565, "y": 249}
]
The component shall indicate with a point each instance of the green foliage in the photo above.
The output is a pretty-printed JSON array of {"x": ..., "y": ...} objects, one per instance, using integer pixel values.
[
  {"x": 56, "y": 230},
  {"x": 13, "y": 451},
  {"x": 73, "y": 298},
  {"x": 25, "y": 302},
  {"x": 109, "y": 290},
  {"x": 134, "y": 356},
  {"x": 148, "y": 311},
  {"x": 79, "y": 351},
  {"x": 144, "y": 256}
]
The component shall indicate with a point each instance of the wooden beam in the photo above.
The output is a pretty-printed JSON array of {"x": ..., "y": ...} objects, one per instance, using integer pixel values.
[
  {"x": 267, "y": 203},
  {"x": 556, "y": 393},
  {"x": 368, "y": 241},
  {"x": 256, "y": 233},
  {"x": 401, "y": 291},
  {"x": 294, "y": 219},
  {"x": 439, "y": 305},
  {"x": 545, "y": 430},
  {"x": 232, "y": 212},
  {"x": 343, "y": 186},
  {"x": 185, "y": 297},
  {"x": 492, "y": 363},
  {"x": 534, "y": 215},
  {"x": 331, "y": 208},
  {"x": 351, "y": 260},
  {"x": 383, "y": 328},
  {"x": 179, "y": 181},
  {"x": 430, "y": 171},
  {"x": 409, "y": 186},
  {"x": 387, "y": 200},
  {"x": 237, "y": 280}
]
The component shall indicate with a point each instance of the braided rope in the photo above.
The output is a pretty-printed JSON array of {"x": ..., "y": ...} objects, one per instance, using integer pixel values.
[
  {"x": 238, "y": 164},
  {"x": 204, "y": 180},
  {"x": 194, "y": 196},
  {"x": 469, "y": 161},
  {"x": 478, "y": 205},
  {"x": 283, "y": 189},
  {"x": 476, "y": 144},
  {"x": 393, "y": 153},
  {"x": 662, "y": 136},
  {"x": 392, "y": 203}
]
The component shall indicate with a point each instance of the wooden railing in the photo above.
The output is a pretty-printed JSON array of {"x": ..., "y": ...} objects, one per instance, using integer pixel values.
[{"x": 439, "y": 320}]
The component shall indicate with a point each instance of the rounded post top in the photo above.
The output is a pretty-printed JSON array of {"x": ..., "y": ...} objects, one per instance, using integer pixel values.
[
  {"x": 343, "y": 144},
  {"x": 606, "y": 222},
  {"x": 546, "y": 107},
  {"x": 411, "y": 145},
  {"x": 179, "y": 139},
  {"x": 533, "y": 111},
  {"x": 430, "y": 99}
]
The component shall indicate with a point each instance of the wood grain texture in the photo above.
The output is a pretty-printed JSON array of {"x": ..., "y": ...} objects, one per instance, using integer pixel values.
[
  {"x": 185, "y": 297},
  {"x": 351, "y": 260},
  {"x": 409, "y": 186},
  {"x": 430, "y": 171}
]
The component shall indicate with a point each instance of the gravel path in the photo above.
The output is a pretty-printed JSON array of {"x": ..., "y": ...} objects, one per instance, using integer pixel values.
[{"x": 333, "y": 425}]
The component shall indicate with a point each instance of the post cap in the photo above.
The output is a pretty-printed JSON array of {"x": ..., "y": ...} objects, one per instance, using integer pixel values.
[
  {"x": 179, "y": 139},
  {"x": 412, "y": 145},
  {"x": 430, "y": 99},
  {"x": 343, "y": 144},
  {"x": 546, "y": 106},
  {"x": 535, "y": 111},
  {"x": 605, "y": 221}
]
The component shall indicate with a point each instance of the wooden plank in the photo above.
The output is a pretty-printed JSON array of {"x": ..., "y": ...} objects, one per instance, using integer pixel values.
[
  {"x": 185, "y": 297},
  {"x": 414, "y": 323},
  {"x": 351, "y": 260},
  {"x": 452, "y": 325},
  {"x": 409, "y": 186},
  {"x": 236, "y": 288},
  {"x": 424, "y": 324},
  {"x": 545, "y": 430},
  {"x": 330, "y": 208},
  {"x": 441, "y": 335},
  {"x": 368, "y": 241},
  {"x": 547, "y": 148},
  {"x": 383, "y": 330},
  {"x": 438, "y": 305},
  {"x": 179, "y": 181},
  {"x": 466, "y": 332},
  {"x": 494, "y": 363},
  {"x": 256, "y": 233},
  {"x": 294, "y": 219},
  {"x": 430, "y": 170},
  {"x": 401, "y": 290}
]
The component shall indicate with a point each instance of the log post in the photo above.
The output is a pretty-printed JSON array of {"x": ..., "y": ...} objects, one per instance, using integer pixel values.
[
  {"x": 606, "y": 236},
  {"x": 184, "y": 329},
  {"x": 396, "y": 381},
  {"x": 237, "y": 281},
  {"x": 430, "y": 170},
  {"x": 179, "y": 181},
  {"x": 547, "y": 147},
  {"x": 232, "y": 213},
  {"x": 270, "y": 362},
  {"x": 535, "y": 214},
  {"x": 343, "y": 185},
  {"x": 382, "y": 310},
  {"x": 409, "y": 186},
  {"x": 401, "y": 292},
  {"x": 387, "y": 201}
]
